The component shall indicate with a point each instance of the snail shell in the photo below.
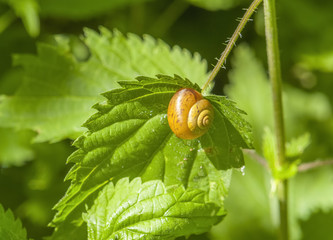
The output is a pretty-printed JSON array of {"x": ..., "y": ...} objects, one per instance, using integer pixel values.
[{"x": 189, "y": 114}]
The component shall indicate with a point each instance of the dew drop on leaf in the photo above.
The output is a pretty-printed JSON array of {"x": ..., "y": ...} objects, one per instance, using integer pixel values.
[{"x": 242, "y": 169}]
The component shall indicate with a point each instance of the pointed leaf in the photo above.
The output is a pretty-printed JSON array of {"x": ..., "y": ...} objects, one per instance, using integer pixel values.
[
  {"x": 11, "y": 229},
  {"x": 135, "y": 210},
  {"x": 130, "y": 137},
  {"x": 59, "y": 90}
]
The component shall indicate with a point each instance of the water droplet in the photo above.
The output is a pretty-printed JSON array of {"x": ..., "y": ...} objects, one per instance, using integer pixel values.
[
  {"x": 242, "y": 170},
  {"x": 163, "y": 119}
]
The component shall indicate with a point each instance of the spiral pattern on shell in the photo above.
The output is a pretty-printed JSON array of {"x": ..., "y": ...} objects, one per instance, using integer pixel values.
[{"x": 189, "y": 114}]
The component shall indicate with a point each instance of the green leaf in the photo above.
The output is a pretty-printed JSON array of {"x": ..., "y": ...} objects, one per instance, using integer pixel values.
[
  {"x": 214, "y": 5},
  {"x": 295, "y": 148},
  {"x": 252, "y": 209},
  {"x": 128, "y": 58},
  {"x": 318, "y": 226},
  {"x": 249, "y": 87},
  {"x": 82, "y": 9},
  {"x": 318, "y": 108},
  {"x": 11, "y": 229},
  {"x": 15, "y": 147},
  {"x": 68, "y": 231},
  {"x": 27, "y": 10},
  {"x": 130, "y": 137},
  {"x": 310, "y": 192},
  {"x": 59, "y": 90},
  {"x": 136, "y": 210},
  {"x": 55, "y": 96},
  {"x": 294, "y": 151}
]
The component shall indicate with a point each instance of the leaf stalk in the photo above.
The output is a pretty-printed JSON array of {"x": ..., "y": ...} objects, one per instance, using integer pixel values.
[{"x": 232, "y": 42}]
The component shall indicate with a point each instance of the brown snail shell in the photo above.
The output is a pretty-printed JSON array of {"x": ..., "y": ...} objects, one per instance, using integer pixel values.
[{"x": 189, "y": 114}]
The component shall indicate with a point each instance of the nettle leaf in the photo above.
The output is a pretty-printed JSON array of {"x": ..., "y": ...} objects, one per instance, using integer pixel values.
[
  {"x": 128, "y": 58},
  {"x": 296, "y": 147},
  {"x": 130, "y": 137},
  {"x": 318, "y": 226},
  {"x": 11, "y": 229},
  {"x": 58, "y": 90},
  {"x": 310, "y": 192},
  {"x": 294, "y": 152},
  {"x": 136, "y": 210},
  {"x": 248, "y": 208}
]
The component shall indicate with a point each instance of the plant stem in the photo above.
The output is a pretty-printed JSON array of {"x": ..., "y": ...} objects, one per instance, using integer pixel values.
[
  {"x": 255, "y": 156},
  {"x": 232, "y": 42},
  {"x": 273, "y": 57},
  {"x": 312, "y": 165},
  {"x": 283, "y": 205}
]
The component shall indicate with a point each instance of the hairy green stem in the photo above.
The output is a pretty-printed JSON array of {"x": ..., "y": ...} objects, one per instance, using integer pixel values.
[
  {"x": 274, "y": 68},
  {"x": 232, "y": 42}
]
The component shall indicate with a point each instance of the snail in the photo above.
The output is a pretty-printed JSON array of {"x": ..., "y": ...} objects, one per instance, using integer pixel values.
[{"x": 189, "y": 114}]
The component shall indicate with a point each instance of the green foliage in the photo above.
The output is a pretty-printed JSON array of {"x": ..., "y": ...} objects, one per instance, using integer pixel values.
[
  {"x": 317, "y": 225},
  {"x": 135, "y": 210},
  {"x": 252, "y": 214},
  {"x": 53, "y": 84},
  {"x": 32, "y": 190},
  {"x": 250, "y": 88},
  {"x": 310, "y": 191},
  {"x": 130, "y": 137},
  {"x": 11, "y": 229},
  {"x": 58, "y": 90},
  {"x": 294, "y": 151},
  {"x": 296, "y": 147}
]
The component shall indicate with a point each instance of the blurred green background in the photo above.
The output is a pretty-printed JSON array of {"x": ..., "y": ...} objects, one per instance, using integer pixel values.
[{"x": 31, "y": 174}]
